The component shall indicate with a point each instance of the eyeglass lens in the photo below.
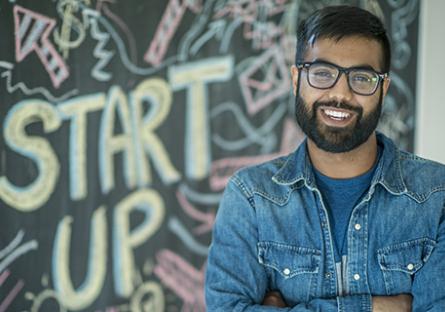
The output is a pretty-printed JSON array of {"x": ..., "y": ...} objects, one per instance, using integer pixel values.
[{"x": 324, "y": 76}]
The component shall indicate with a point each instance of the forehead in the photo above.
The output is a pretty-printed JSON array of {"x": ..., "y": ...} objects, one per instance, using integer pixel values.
[{"x": 347, "y": 52}]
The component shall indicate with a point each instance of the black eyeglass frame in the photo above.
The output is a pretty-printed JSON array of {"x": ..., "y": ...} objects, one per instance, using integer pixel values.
[{"x": 346, "y": 70}]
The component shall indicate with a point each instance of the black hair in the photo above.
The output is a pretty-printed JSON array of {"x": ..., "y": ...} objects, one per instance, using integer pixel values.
[{"x": 337, "y": 22}]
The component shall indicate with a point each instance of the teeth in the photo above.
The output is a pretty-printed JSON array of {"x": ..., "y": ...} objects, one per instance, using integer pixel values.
[{"x": 337, "y": 114}]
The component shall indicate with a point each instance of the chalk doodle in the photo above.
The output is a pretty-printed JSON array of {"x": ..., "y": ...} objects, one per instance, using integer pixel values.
[
  {"x": 169, "y": 23},
  {"x": 200, "y": 197},
  {"x": 264, "y": 81},
  {"x": 32, "y": 32},
  {"x": 177, "y": 227},
  {"x": 102, "y": 6},
  {"x": 104, "y": 56},
  {"x": 121, "y": 124},
  {"x": 8, "y": 255},
  {"x": 207, "y": 219},
  {"x": 182, "y": 278},
  {"x": 67, "y": 10},
  {"x": 46, "y": 297},
  {"x": 12, "y": 294},
  {"x": 264, "y": 136},
  {"x": 11, "y": 252},
  {"x": 404, "y": 15},
  {"x": 27, "y": 91}
]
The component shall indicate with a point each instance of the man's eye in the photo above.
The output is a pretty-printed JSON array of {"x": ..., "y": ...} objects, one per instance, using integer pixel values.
[
  {"x": 362, "y": 78},
  {"x": 322, "y": 74}
]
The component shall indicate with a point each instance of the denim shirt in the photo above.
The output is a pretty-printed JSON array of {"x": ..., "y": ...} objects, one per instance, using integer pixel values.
[{"x": 272, "y": 232}]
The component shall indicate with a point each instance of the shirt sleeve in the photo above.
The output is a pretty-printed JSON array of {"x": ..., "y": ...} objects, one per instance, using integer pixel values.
[
  {"x": 428, "y": 288},
  {"x": 235, "y": 280}
]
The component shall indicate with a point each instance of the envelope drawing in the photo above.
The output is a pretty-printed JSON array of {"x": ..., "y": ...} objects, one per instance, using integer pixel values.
[{"x": 265, "y": 80}]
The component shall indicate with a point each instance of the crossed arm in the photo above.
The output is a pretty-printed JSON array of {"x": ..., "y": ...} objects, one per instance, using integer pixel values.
[{"x": 400, "y": 303}]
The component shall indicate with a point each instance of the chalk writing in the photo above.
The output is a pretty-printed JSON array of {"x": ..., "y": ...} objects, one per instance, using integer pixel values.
[
  {"x": 195, "y": 76},
  {"x": 36, "y": 193}
]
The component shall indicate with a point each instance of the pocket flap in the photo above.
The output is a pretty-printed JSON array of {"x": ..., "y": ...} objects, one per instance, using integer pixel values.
[
  {"x": 288, "y": 260},
  {"x": 406, "y": 257}
]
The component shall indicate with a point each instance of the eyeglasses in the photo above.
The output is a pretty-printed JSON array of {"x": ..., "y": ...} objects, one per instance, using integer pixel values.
[{"x": 324, "y": 75}]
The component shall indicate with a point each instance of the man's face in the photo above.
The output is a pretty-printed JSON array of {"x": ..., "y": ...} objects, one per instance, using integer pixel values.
[{"x": 338, "y": 120}]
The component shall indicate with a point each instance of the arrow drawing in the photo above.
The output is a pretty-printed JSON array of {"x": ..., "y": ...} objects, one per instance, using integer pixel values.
[
  {"x": 31, "y": 34},
  {"x": 167, "y": 28}
]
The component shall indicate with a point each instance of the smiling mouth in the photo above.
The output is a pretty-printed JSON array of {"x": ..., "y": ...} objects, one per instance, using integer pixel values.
[{"x": 336, "y": 116}]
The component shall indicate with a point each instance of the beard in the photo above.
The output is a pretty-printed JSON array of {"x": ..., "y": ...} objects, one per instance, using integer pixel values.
[{"x": 336, "y": 139}]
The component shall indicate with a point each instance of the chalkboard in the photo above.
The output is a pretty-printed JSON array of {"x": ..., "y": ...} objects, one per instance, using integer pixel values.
[{"x": 121, "y": 123}]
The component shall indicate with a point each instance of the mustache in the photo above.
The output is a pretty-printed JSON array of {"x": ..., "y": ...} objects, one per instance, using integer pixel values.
[{"x": 336, "y": 104}]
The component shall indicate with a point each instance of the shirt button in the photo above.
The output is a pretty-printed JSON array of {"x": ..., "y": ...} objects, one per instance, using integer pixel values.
[
  {"x": 286, "y": 271},
  {"x": 357, "y": 226},
  {"x": 356, "y": 277},
  {"x": 328, "y": 275},
  {"x": 410, "y": 266}
]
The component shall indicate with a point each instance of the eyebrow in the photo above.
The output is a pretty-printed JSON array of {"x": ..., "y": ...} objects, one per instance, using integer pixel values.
[{"x": 359, "y": 66}]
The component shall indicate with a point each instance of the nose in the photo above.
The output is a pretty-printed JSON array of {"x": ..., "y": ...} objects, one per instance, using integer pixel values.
[{"x": 341, "y": 90}]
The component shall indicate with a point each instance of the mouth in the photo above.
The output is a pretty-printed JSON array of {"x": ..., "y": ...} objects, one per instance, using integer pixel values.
[{"x": 336, "y": 117}]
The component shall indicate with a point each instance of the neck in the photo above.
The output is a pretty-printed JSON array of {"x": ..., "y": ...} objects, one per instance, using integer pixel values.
[{"x": 344, "y": 165}]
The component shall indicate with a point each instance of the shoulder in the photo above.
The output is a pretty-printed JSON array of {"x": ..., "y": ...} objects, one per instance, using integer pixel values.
[
  {"x": 264, "y": 169},
  {"x": 421, "y": 176},
  {"x": 259, "y": 174},
  {"x": 259, "y": 179}
]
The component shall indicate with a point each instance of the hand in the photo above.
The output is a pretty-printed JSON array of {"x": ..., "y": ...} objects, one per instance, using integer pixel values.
[
  {"x": 274, "y": 299},
  {"x": 400, "y": 303}
]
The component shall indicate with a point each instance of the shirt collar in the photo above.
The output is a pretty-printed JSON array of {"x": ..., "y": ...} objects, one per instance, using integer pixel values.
[{"x": 298, "y": 167}]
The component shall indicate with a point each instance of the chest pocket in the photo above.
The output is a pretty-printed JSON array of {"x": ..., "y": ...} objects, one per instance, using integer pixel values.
[
  {"x": 400, "y": 262},
  {"x": 292, "y": 270}
]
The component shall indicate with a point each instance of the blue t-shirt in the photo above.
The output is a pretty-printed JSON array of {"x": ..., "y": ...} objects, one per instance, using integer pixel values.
[{"x": 340, "y": 197}]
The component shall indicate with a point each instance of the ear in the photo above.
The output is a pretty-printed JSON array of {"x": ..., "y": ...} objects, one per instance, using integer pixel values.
[
  {"x": 294, "y": 74},
  {"x": 386, "y": 84}
]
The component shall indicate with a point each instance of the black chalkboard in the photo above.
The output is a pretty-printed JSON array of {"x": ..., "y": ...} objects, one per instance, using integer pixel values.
[{"x": 121, "y": 123}]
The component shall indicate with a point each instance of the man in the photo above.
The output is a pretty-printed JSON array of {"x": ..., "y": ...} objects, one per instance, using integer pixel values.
[{"x": 348, "y": 222}]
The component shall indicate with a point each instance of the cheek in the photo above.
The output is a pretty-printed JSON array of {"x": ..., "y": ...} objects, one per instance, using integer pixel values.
[
  {"x": 309, "y": 94},
  {"x": 369, "y": 103}
]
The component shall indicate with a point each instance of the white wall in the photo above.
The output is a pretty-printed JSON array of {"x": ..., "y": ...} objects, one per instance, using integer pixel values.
[{"x": 430, "y": 130}]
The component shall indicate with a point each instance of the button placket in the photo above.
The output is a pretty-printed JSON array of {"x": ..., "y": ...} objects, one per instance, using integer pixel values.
[{"x": 358, "y": 248}]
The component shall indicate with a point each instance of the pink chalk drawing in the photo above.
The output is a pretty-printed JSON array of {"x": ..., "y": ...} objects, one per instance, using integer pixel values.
[
  {"x": 207, "y": 219},
  {"x": 102, "y": 6},
  {"x": 182, "y": 278},
  {"x": 265, "y": 80},
  {"x": 263, "y": 34},
  {"x": 31, "y": 34},
  {"x": 6, "y": 302},
  {"x": 223, "y": 169},
  {"x": 246, "y": 10},
  {"x": 254, "y": 15},
  {"x": 167, "y": 28},
  {"x": 4, "y": 276}
]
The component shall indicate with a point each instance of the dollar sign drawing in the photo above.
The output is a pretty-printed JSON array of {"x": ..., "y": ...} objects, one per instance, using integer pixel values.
[{"x": 62, "y": 37}]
